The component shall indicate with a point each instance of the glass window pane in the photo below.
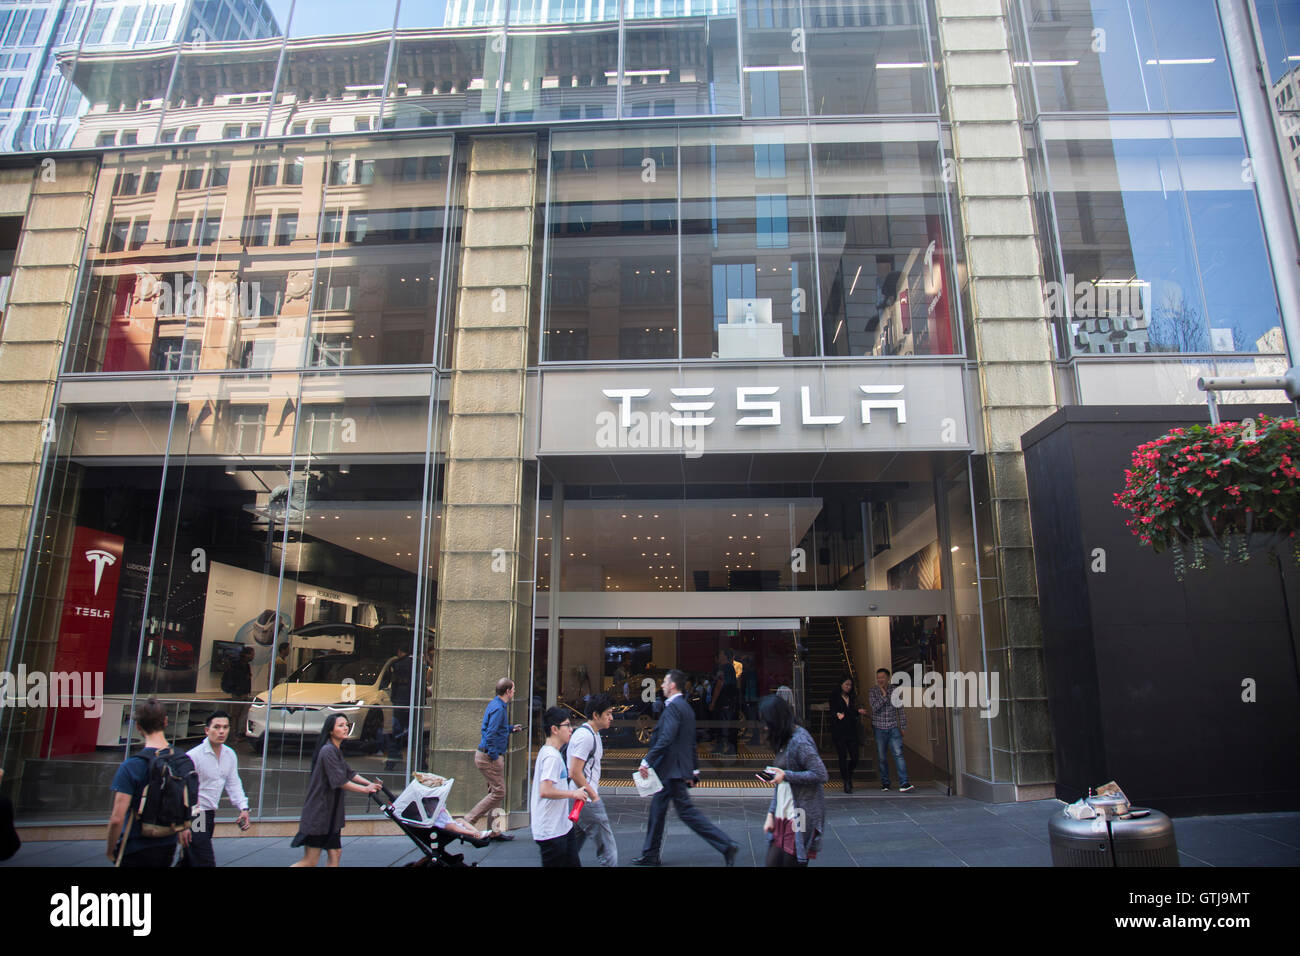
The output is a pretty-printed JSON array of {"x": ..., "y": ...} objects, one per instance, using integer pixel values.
[
  {"x": 748, "y": 287},
  {"x": 561, "y": 71},
  {"x": 1127, "y": 55},
  {"x": 376, "y": 293},
  {"x": 320, "y": 86},
  {"x": 1138, "y": 275},
  {"x": 885, "y": 280},
  {"x": 681, "y": 66},
  {"x": 612, "y": 273},
  {"x": 867, "y": 57},
  {"x": 774, "y": 58},
  {"x": 442, "y": 76}
]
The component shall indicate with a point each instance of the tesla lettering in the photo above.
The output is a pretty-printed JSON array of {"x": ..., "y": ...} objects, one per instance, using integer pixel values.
[
  {"x": 743, "y": 404},
  {"x": 693, "y": 414}
]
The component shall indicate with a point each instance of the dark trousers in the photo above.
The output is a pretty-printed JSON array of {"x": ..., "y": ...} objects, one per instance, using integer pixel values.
[
  {"x": 675, "y": 792},
  {"x": 847, "y": 751},
  {"x": 778, "y": 857},
  {"x": 153, "y": 858},
  {"x": 200, "y": 849},
  {"x": 561, "y": 850},
  {"x": 397, "y": 738}
]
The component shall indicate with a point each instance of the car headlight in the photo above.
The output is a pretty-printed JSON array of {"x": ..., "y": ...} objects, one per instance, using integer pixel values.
[{"x": 347, "y": 704}]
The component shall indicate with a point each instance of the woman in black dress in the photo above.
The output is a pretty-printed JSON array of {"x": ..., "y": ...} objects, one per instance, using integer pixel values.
[
  {"x": 322, "y": 812},
  {"x": 844, "y": 713}
]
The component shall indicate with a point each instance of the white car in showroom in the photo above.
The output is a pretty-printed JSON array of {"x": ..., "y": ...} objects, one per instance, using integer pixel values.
[{"x": 348, "y": 684}]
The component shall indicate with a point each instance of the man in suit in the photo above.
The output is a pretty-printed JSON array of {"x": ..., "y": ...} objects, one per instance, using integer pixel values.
[{"x": 672, "y": 755}]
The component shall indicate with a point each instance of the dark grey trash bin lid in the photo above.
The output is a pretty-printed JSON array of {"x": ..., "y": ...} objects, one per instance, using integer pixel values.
[{"x": 1140, "y": 841}]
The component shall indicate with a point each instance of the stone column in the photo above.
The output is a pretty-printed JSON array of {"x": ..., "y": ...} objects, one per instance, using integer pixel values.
[
  {"x": 54, "y": 200},
  {"x": 1012, "y": 343},
  {"x": 485, "y": 575}
]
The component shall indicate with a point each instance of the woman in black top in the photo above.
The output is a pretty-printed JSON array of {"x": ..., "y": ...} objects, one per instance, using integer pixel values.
[
  {"x": 844, "y": 713},
  {"x": 322, "y": 811}
]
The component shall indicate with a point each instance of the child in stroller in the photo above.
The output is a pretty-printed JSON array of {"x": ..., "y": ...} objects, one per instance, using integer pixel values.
[{"x": 420, "y": 811}]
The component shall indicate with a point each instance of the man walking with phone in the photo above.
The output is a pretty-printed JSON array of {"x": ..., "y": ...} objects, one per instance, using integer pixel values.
[
  {"x": 672, "y": 755},
  {"x": 490, "y": 758}
]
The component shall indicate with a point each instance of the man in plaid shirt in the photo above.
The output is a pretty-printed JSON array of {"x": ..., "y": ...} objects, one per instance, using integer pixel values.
[{"x": 888, "y": 722}]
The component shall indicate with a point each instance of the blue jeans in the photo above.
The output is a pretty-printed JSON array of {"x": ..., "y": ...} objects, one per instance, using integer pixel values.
[{"x": 892, "y": 741}]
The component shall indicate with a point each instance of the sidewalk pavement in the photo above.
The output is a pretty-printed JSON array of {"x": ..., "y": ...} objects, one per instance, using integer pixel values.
[{"x": 922, "y": 828}]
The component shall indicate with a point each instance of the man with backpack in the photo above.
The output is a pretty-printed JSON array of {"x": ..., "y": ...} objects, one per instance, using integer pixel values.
[
  {"x": 155, "y": 795},
  {"x": 584, "y": 751}
]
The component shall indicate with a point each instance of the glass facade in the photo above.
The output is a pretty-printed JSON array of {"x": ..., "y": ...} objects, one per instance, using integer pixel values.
[
  {"x": 1143, "y": 181},
  {"x": 670, "y": 244},
  {"x": 253, "y": 413}
]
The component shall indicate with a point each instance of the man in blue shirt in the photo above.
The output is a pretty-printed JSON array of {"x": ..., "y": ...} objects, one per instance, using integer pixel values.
[{"x": 490, "y": 756}]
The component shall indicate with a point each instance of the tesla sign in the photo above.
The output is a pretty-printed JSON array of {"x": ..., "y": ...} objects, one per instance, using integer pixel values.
[{"x": 695, "y": 411}]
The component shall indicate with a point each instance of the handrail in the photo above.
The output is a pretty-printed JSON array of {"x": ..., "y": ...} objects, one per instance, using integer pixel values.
[{"x": 847, "y": 658}]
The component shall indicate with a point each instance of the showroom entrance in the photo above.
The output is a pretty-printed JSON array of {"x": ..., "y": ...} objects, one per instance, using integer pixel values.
[{"x": 754, "y": 588}]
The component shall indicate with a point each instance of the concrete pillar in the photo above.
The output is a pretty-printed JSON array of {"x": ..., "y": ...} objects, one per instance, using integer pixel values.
[
  {"x": 1012, "y": 343},
  {"x": 485, "y": 575},
  {"x": 54, "y": 200}
]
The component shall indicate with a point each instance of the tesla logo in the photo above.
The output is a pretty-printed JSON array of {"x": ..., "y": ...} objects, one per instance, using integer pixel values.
[
  {"x": 101, "y": 560},
  {"x": 878, "y": 398}
]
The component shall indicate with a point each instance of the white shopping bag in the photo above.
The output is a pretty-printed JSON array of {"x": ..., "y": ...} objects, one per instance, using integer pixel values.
[{"x": 649, "y": 785}]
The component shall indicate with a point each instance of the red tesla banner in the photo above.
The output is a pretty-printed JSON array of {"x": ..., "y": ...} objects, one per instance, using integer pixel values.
[{"x": 85, "y": 631}]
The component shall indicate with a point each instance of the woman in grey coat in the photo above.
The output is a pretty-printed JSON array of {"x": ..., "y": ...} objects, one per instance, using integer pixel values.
[{"x": 797, "y": 814}]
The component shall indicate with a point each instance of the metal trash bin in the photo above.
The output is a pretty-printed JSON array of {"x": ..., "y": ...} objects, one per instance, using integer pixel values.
[{"x": 1117, "y": 836}]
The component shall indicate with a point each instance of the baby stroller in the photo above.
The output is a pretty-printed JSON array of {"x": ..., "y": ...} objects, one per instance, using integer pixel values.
[{"x": 420, "y": 811}]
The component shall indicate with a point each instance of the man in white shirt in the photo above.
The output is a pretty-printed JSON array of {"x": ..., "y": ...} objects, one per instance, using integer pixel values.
[
  {"x": 218, "y": 769},
  {"x": 585, "y": 752}
]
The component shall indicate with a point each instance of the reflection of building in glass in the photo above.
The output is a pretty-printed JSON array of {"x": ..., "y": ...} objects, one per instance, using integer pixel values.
[{"x": 39, "y": 108}]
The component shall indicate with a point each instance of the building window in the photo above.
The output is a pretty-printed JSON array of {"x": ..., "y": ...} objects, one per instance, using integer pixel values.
[
  {"x": 125, "y": 24},
  {"x": 106, "y": 139},
  {"x": 176, "y": 355},
  {"x": 151, "y": 180},
  {"x": 178, "y": 233},
  {"x": 257, "y": 230},
  {"x": 190, "y": 134},
  {"x": 331, "y": 351},
  {"x": 169, "y": 135},
  {"x": 139, "y": 232},
  {"x": 192, "y": 178},
  {"x": 332, "y": 228},
  {"x": 118, "y": 231},
  {"x": 293, "y": 172},
  {"x": 231, "y": 131},
  {"x": 210, "y": 233},
  {"x": 219, "y": 176},
  {"x": 250, "y": 426},
  {"x": 286, "y": 229},
  {"x": 126, "y": 184}
]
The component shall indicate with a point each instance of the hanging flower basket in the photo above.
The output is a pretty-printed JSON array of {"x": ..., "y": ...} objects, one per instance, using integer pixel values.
[{"x": 1232, "y": 489}]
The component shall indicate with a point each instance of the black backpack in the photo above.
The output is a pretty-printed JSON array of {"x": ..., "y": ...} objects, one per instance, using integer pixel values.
[
  {"x": 228, "y": 679},
  {"x": 170, "y": 796}
]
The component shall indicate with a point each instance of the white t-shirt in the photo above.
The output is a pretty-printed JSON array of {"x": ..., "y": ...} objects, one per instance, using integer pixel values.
[
  {"x": 550, "y": 818},
  {"x": 582, "y": 742}
]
